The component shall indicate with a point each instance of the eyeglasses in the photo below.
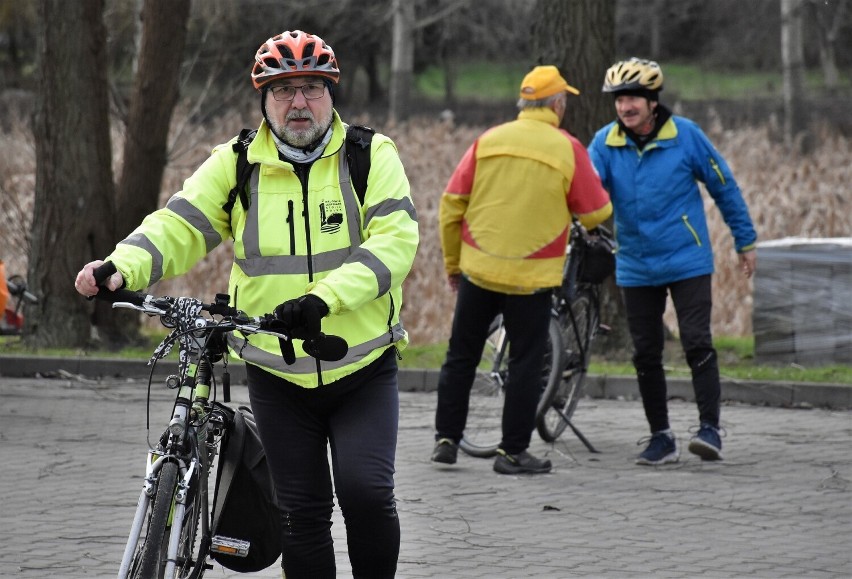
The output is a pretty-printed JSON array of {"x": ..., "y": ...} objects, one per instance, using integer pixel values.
[{"x": 310, "y": 91}]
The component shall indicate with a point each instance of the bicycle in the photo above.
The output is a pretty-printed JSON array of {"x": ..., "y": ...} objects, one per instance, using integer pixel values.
[
  {"x": 574, "y": 323},
  {"x": 12, "y": 322},
  {"x": 171, "y": 535},
  {"x": 577, "y": 310}
]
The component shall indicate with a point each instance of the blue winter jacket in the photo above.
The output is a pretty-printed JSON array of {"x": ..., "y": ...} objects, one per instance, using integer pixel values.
[{"x": 660, "y": 224}]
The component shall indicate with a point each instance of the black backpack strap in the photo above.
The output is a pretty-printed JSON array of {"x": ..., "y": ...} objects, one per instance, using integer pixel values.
[
  {"x": 244, "y": 169},
  {"x": 358, "y": 140}
]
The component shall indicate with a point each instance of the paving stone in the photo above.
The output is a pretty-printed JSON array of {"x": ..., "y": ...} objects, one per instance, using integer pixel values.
[{"x": 779, "y": 505}]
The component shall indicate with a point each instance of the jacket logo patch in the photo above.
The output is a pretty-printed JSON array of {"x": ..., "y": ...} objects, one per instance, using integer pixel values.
[{"x": 331, "y": 213}]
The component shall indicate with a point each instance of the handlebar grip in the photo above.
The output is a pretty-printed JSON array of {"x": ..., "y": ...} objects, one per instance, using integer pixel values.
[
  {"x": 102, "y": 273},
  {"x": 120, "y": 295},
  {"x": 326, "y": 347}
]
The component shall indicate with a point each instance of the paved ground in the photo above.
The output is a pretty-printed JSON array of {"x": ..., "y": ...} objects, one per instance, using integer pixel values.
[{"x": 780, "y": 505}]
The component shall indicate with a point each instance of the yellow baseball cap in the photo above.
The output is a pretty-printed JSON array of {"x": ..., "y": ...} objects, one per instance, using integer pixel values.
[{"x": 542, "y": 82}]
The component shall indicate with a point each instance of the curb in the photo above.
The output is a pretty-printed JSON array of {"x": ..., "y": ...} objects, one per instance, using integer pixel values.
[{"x": 780, "y": 394}]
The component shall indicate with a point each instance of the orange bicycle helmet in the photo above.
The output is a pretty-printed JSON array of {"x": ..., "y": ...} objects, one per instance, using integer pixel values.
[
  {"x": 634, "y": 74},
  {"x": 293, "y": 53}
]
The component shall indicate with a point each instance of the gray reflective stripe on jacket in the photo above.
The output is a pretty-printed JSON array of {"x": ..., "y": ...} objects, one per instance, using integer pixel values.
[
  {"x": 193, "y": 216},
  {"x": 142, "y": 242},
  {"x": 356, "y": 352}
]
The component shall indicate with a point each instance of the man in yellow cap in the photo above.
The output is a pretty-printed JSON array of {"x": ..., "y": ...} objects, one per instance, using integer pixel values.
[{"x": 504, "y": 222}]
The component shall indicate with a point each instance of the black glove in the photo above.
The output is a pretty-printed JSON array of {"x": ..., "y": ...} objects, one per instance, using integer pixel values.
[{"x": 302, "y": 316}]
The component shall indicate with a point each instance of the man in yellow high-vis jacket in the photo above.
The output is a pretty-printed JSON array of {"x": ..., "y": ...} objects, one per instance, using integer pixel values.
[{"x": 306, "y": 248}]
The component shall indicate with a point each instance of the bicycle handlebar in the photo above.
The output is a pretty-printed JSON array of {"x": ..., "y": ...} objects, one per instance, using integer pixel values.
[{"x": 325, "y": 347}]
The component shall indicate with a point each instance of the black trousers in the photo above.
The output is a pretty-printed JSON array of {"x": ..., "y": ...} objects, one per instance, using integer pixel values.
[
  {"x": 526, "y": 318},
  {"x": 693, "y": 305},
  {"x": 357, "y": 418}
]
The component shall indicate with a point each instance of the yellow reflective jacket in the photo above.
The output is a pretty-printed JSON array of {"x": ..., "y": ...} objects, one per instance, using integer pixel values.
[
  {"x": 506, "y": 212},
  {"x": 298, "y": 236}
]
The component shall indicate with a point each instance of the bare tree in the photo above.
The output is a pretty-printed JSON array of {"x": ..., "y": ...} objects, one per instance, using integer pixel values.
[
  {"x": 829, "y": 18},
  {"x": 793, "y": 62},
  {"x": 154, "y": 96},
  {"x": 578, "y": 36},
  {"x": 402, "y": 59},
  {"x": 155, "y": 93},
  {"x": 74, "y": 187}
]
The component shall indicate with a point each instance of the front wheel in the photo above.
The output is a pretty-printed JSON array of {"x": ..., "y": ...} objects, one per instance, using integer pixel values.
[{"x": 150, "y": 555}]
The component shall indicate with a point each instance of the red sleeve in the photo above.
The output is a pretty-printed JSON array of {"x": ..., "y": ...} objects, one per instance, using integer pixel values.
[
  {"x": 461, "y": 182},
  {"x": 586, "y": 194}
]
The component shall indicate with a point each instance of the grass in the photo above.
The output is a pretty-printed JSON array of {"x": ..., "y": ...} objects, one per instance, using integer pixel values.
[
  {"x": 736, "y": 356},
  {"x": 691, "y": 82},
  {"x": 486, "y": 81},
  {"x": 498, "y": 82}
]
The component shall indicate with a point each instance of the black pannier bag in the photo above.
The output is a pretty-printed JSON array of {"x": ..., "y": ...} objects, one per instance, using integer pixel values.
[
  {"x": 246, "y": 523},
  {"x": 597, "y": 257}
]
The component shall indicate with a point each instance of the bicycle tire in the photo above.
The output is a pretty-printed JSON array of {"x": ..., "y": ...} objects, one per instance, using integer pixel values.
[
  {"x": 562, "y": 394},
  {"x": 150, "y": 556},
  {"x": 484, "y": 431}
]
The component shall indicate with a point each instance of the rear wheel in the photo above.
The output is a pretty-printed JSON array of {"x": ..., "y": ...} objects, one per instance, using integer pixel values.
[
  {"x": 483, "y": 431},
  {"x": 561, "y": 395}
]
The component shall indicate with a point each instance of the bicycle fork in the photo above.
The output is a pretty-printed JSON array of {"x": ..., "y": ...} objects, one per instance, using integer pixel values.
[{"x": 152, "y": 469}]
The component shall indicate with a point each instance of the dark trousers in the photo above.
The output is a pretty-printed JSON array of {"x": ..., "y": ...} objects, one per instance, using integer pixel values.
[
  {"x": 693, "y": 304},
  {"x": 526, "y": 318},
  {"x": 356, "y": 417}
]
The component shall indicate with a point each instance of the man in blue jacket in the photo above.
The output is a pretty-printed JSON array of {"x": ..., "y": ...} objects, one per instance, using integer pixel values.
[{"x": 650, "y": 161}]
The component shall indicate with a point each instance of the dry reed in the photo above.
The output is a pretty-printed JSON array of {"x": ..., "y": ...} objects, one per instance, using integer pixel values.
[{"x": 788, "y": 195}]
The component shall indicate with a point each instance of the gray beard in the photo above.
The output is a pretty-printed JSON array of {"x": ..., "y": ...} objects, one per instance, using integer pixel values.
[{"x": 301, "y": 139}]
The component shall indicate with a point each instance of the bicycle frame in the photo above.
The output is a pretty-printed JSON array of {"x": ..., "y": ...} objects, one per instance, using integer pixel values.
[
  {"x": 189, "y": 422},
  {"x": 577, "y": 307}
]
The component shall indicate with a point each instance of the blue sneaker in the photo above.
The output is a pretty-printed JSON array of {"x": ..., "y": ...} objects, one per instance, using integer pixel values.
[
  {"x": 661, "y": 449},
  {"x": 706, "y": 443}
]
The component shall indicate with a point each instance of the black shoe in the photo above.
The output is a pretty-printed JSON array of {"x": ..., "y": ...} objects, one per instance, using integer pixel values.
[
  {"x": 445, "y": 451},
  {"x": 521, "y": 463}
]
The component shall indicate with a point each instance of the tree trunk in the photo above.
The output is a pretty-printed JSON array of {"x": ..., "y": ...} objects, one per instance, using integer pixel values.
[
  {"x": 792, "y": 58},
  {"x": 153, "y": 99},
  {"x": 154, "y": 96},
  {"x": 402, "y": 60},
  {"x": 578, "y": 36},
  {"x": 829, "y": 19},
  {"x": 74, "y": 197}
]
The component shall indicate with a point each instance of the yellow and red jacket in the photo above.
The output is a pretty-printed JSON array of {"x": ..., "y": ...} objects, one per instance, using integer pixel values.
[
  {"x": 506, "y": 213},
  {"x": 291, "y": 240}
]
